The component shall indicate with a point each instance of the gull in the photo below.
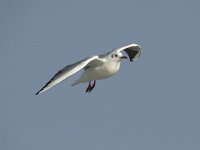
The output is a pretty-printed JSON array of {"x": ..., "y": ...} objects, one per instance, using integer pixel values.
[{"x": 95, "y": 68}]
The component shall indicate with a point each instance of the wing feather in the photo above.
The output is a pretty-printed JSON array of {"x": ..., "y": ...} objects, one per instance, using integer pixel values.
[
  {"x": 133, "y": 51},
  {"x": 70, "y": 70}
]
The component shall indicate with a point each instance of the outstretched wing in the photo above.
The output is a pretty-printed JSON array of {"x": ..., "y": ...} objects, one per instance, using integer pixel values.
[
  {"x": 133, "y": 51},
  {"x": 70, "y": 70}
]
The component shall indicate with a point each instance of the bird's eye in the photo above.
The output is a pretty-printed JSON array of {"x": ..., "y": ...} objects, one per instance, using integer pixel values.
[{"x": 116, "y": 55}]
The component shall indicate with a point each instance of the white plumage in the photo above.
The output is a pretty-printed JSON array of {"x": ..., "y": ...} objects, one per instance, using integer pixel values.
[{"x": 95, "y": 67}]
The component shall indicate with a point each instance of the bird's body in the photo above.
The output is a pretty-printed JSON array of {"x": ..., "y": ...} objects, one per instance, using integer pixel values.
[
  {"x": 95, "y": 67},
  {"x": 108, "y": 69}
]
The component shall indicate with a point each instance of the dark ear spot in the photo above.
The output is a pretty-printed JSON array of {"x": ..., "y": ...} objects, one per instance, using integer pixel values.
[{"x": 112, "y": 55}]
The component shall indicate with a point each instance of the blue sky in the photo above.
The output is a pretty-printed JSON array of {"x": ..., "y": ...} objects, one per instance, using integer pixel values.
[{"x": 151, "y": 104}]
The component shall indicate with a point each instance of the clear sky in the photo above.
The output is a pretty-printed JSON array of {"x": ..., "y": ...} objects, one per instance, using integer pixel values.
[{"x": 151, "y": 104}]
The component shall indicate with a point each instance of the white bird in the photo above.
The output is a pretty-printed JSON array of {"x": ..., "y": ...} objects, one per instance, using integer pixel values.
[{"x": 95, "y": 68}]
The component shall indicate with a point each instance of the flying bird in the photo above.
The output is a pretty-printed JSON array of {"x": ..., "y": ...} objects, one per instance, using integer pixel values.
[{"x": 95, "y": 68}]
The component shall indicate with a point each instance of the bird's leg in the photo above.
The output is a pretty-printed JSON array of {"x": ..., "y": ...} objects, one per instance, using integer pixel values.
[
  {"x": 89, "y": 87},
  {"x": 92, "y": 87}
]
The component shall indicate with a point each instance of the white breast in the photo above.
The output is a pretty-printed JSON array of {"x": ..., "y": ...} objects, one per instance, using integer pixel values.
[{"x": 101, "y": 72}]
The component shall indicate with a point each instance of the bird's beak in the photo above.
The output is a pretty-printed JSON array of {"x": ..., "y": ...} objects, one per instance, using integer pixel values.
[{"x": 123, "y": 57}]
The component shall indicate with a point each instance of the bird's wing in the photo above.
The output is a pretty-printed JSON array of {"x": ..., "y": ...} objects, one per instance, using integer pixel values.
[
  {"x": 70, "y": 70},
  {"x": 133, "y": 51}
]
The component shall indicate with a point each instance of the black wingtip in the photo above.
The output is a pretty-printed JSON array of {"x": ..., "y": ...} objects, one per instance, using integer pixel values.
[{"x": 38, "y": 92}]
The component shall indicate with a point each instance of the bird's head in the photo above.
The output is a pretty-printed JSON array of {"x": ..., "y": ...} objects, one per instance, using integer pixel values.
[{"x": 117, "y": 56}]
